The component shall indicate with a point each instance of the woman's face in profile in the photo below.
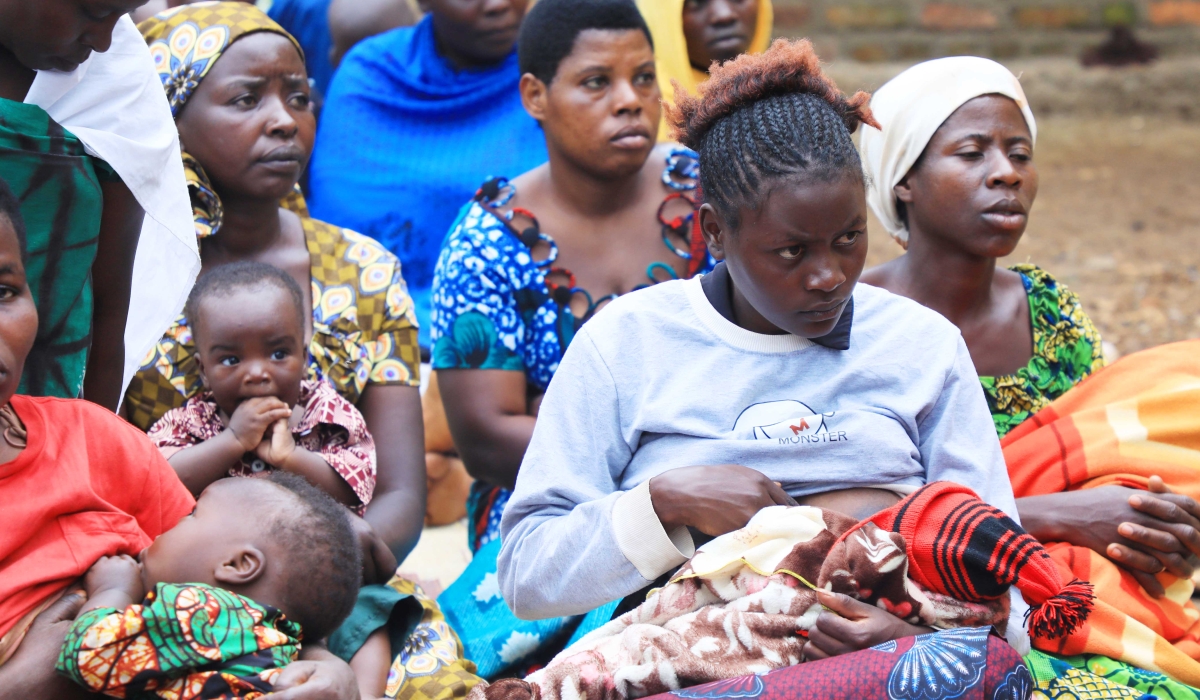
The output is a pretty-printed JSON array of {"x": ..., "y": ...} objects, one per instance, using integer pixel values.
[
  {"x": 602, "y": 109},
  {"x": 975, "y": 183},
  {"x": 250, "y": 122},
  {"x": 796, "y": 258},
  {"x": 18, "y": 314},
  {"x": 59, "y": 35}
]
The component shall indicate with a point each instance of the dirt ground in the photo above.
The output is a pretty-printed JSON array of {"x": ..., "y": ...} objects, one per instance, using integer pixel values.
[{"x": 1117, "y": 219}]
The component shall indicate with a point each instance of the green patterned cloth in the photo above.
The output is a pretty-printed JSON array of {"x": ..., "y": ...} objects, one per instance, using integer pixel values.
[
  {"x": 58, "y": 186},
  {"x": 1089, "y": 676},
  {"x": 1066, "y": 349},
  {"x": 184, "y": 641}
]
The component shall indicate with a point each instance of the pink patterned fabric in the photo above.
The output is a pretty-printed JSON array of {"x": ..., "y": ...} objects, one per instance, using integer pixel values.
[{"x": 331, "y": 427}]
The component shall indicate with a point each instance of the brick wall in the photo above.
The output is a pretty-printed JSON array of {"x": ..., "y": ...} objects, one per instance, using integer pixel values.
[{"x": 907, "y": 30}]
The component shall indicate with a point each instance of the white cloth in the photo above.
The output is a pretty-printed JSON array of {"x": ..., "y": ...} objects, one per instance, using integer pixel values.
[
  {"x": 115, "y": 103},
  {"x": 911, "y": 107}
]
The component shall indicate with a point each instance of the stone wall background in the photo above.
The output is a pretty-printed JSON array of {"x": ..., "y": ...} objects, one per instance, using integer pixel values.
[{"x": 913, "y": 30}]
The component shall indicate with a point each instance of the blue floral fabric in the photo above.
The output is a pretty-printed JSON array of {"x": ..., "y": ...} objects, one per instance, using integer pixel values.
[{"x": 492, "y": 307}]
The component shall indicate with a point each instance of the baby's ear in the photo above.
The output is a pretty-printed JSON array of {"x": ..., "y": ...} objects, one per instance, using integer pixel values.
[
  {"x": 243, "y": 568},
  {"x": 202, "y": 373}
]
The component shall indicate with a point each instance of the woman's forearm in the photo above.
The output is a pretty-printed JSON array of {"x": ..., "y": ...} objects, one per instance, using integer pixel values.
[
  {"x": 494, "y": 454},
  {"x": 1039, "y": 517},
  {"x": 397, "y": 508},
  {"x": 488, "y": 412},
  {"x": 112, "y": 281}
]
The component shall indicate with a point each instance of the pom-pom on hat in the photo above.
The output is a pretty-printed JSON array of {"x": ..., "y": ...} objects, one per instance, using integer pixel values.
[{"x": 959, "y": 546}]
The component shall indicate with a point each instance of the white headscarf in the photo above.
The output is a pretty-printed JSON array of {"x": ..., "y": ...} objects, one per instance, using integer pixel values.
[
  {"x": 911, "y": 107},
  {"x": 114, "y": 102}
]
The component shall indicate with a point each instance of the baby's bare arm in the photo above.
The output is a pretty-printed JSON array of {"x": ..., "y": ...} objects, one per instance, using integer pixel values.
[{"x": 371, "y": 664}]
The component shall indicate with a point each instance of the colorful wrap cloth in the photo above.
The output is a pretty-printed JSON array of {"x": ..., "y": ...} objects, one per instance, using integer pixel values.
[
  {"x": 964, "y": 664},
  {"x": 743, "y": 604},
  {"x": 184, "y": 642},
  {"x": 186, "y": 41},
  {"x": 1134, "y": 419}
]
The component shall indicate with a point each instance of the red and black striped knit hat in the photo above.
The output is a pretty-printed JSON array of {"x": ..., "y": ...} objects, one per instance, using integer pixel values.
[{"x": 959, "y": 546}]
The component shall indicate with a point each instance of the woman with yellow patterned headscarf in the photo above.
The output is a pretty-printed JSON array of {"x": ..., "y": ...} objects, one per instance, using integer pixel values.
[
  {"x": 690, "y": 34},
  {"x": 238, "y": 88}
]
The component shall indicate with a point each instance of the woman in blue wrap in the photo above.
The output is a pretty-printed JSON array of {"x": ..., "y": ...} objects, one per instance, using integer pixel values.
[{"x": 415, "y": 119}]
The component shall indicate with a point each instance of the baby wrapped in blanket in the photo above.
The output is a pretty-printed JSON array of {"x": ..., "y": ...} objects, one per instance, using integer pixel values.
[{"x": 744, "y": 603}]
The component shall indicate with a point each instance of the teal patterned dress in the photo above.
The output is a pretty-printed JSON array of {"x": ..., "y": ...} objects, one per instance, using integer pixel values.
[{"x": 58, "y": 186}]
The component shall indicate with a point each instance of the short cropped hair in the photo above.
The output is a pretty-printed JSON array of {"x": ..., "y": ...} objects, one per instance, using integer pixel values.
[
  {"x": 550, "y": 29},
  {"x": 226, "y": 279},
  {"x": 323, "y": 569},
  {"x": 10, "y": 208}
]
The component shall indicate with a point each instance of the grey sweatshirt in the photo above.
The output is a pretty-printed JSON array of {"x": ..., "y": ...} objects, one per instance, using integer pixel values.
[{"x": 660, "y": 379}]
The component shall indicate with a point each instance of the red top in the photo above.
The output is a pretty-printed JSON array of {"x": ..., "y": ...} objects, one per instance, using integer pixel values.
[{"x": 87, "y": 485}]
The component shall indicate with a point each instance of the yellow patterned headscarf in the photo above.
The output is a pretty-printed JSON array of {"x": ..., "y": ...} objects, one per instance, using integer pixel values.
[
  {"x": 185, "y": 42},
  {"x": 665, "y": 19}
]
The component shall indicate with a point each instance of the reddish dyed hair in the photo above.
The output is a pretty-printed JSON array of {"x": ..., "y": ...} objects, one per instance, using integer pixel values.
[{"x": 765, "y": 116}]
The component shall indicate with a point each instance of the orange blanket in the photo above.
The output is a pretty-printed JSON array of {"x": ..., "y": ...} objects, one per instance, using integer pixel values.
[{"x": 1132, "y": 420}]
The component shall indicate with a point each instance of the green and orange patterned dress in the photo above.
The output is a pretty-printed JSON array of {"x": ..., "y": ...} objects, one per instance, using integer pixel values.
[
  {"x": 1066, "y": 349},
  {"x": 183, "y": 641}
]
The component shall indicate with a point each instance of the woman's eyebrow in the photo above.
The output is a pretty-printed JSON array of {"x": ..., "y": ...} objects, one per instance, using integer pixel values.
[{"x": 247, "y": 82}]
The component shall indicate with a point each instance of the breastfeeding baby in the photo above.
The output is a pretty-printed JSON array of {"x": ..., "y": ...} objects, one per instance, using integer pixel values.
[{"x": 218, "y": 605}]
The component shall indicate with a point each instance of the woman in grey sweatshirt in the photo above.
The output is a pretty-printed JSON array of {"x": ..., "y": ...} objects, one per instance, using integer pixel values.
[{"x": 687, "y": 407}]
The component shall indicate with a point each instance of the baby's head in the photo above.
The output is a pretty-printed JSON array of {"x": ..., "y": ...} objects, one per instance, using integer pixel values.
[
  {"x": 277, "y": 540},
  {"x": 247, "y": 321}
]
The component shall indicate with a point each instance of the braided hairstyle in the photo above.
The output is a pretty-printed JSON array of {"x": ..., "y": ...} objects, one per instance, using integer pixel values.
[{"x": 767, "y": 116}]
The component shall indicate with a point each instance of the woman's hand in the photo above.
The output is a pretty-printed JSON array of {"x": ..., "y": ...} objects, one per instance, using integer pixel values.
[
  {"x": 714, "y": 500},
  {"x": 851, "y": 625},
  {"x": 379, "y": 564},
  {"x": 30, "y": 671},
  {"x": 318, "y": 675},
  {"x": 1146, "y": 532}
]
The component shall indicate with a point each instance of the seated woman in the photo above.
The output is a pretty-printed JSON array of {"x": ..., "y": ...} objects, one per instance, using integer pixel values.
[
  {"x": 530, "y": 260},
  {"x": 246, "y": 126},
  {"x": 953, "y": 180},
  {"x": 691, "y": 35},
  {"x": 89, "y": 146},
  {"x": 694, "y": 404},
  {"x": 79, "y": 483},
  {"x": 414, "y": 119}
]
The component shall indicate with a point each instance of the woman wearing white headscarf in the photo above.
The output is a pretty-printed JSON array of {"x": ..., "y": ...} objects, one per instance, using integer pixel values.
[{"x": 952, "y": 179}]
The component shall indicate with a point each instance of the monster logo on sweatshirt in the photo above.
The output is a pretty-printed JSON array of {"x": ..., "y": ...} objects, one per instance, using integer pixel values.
[{"x": 788, "y": 422}]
